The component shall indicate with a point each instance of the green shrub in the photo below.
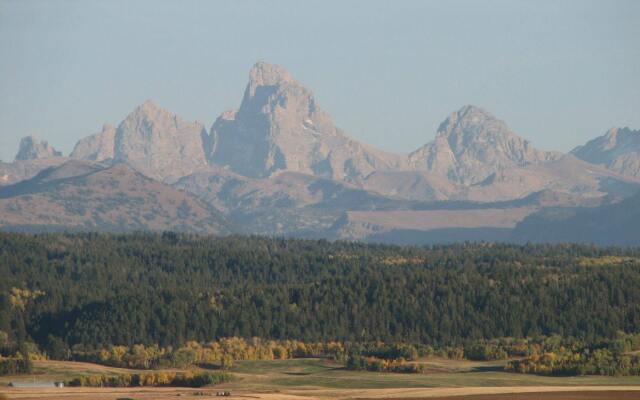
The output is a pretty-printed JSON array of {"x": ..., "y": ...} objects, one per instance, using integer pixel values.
[
  {"x": 153, "y": 379},
  {"x": 359, "y": 363}
]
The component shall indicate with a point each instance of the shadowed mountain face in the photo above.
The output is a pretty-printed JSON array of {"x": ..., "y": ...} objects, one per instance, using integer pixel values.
[
  {"x": 287, "y": 203},
  {"x": 279, "y": 165},
  {"x": 618, "y": 150},
  {"x": 611, "y": 224},
  {"x": 87, "y": 196},
  {"x": 280, "y": 126}
]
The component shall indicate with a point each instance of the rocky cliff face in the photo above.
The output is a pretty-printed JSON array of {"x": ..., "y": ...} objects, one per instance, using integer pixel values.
[
  {"x": 280, "y": 126},
  {"x": 97, "y": 147},
  {"x": 160, "y": 144},
  {"x": 32, "y": 148},
  {"x": 471, "y": 144},
  {"x": 618, "y": 150}
]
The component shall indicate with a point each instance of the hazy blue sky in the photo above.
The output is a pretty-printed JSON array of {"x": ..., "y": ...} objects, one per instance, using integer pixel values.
[{"x": 559, "y": 72}]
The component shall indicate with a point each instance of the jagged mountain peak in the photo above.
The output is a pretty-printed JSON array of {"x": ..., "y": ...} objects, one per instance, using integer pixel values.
[
  {"x": 618, "y": 149},
  {"x": 151, "y": 111},
  {"x": 616, "y": 140},
  {"x": 474, "y": 123},
  {"x": 265, "y": 74},
  {"x": 32, "y": 148},
  {"x": 272, "y": 89},
  {"x": 96, "y": 147},
  {"x": 151, "y": 139},
  {"x": 280, "y": 126},
  {"x": 471, "y": 144},
  {"x": 621, "y": 136},
  {"x": 159, "y": 143},
  {"x": 468, "y": 114},
  {"x": 149, "y": 104}
]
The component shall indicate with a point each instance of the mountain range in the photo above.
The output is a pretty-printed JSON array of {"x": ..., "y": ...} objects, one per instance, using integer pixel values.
[{"x": 279, "y": 165}]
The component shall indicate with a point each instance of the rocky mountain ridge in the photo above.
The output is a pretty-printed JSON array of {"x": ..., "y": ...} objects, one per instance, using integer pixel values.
[
  {"x": 618, "y": 150},
  {"x": 280, "y": 127},
  {"x": 32, "y": 148},
  {"x": 279, "y": 165},
  {"x": 471, "y": 144},
  {"x": 97, "y": 147}
]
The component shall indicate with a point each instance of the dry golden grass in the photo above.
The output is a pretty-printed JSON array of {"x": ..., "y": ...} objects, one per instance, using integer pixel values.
[
  {"x": 482, "y": 393},
  {"x": 312, "y": 379}
]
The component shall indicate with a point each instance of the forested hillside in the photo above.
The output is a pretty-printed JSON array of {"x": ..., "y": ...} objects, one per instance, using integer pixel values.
[{"x": 95, "y": 290}]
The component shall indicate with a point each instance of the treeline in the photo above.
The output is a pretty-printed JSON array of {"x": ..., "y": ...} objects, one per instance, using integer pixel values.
[
  {"x": 73, "y": 293},
  {"x": 15, "y": 366},
  {"x": 157, "y": 379},
  {"x": 221, "y": 353},
  {"x": 570, "y": 357},
  {"x": 570, "y": 363},
  {"x": 375, "y": 364},
  {"x": 552, "y": 355}
]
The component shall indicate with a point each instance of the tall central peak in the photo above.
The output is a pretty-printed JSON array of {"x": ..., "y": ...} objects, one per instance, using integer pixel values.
[
  {"x": 272, "y": 89},
  {"x": 279, "y": 126},
  {"x": 265, "y": 74}
]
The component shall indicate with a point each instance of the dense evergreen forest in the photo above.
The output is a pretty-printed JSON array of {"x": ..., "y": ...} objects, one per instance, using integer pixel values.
[{"x": 88, "y": 291}]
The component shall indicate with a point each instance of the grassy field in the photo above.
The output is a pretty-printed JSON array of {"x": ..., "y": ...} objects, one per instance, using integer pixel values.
[
  {"x": 320, "y": 379},
  {"x": 440, "y": 373},
  {"x": 49, "y": 371}
]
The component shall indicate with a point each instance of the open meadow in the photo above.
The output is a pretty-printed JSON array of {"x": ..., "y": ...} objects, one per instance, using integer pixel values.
[{"x": 323, "y": 379}]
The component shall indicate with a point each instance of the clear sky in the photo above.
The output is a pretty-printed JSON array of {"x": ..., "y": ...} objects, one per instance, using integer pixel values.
[{"x": 558, "y": 72}]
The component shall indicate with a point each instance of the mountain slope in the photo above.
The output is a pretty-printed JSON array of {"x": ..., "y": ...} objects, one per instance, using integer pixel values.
[
  {"x": 472, "y": 144},
  {"x": 280, "y": 126},
  {"x": 476, "y": 157},
  {"x": 618, "y": 150},
  {"x": 566, "y": 174},
  {"x": 446, "y": 221},
  {"x": 611, "y": 224},
  {"x": 287, "y": 203},
  {"x": 18, "y": 171},
  {"x": 86, "y": 196}
]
